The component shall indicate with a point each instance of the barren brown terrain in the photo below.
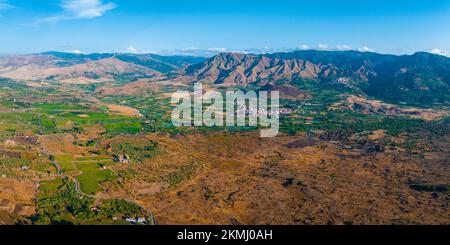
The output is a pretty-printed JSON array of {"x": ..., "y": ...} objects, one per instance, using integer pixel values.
[{"x": 253, "y": 181}]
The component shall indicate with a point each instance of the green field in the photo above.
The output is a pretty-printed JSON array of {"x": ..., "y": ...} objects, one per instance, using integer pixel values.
[
  {"x": 91, "y": 169},
  {"x": 67, "y": 166},
  {"x": 59, "y": 107},
  {"x": 49, "y": 188},
  {"x": 123, "y": 128},
  {"x": 92, "y": 176}
]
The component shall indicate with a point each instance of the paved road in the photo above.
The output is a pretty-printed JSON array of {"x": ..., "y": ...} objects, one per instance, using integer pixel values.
[{"x": 59, "y": 170}]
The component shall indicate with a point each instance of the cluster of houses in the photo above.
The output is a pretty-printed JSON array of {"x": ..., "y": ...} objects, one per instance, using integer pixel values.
[
  {"x": 124, "y": 159},
  {"x": 134, "y": 221},
  {"x": 251, "y": 110},
  {"x": 139, "y": 221}
]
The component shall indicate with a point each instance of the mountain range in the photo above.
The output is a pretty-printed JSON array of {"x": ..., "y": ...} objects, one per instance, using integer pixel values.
[
  {"x": 89, "y": 68},
  {"x": 421, "y": 78}
]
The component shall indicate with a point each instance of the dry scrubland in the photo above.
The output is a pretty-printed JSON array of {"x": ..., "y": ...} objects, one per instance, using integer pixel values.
[{"x": 242, "y": 179}]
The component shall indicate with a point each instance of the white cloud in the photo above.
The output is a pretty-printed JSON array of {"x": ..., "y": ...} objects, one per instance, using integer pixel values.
[
  {"x": 439, "y": 52},
  {"x": 132, "y": 50},
  {"x": 239, "y": 51},
  {"x": 323, "y": 46},
  {"x": 343, "y": 47},
  {"x": 303, "y": 47},
  {"x": 218, "y": 50},
  {"x": 206, "y": 52},
  {"x": 76, "y": 51},
  {"x": 87, "y": 8},
  {"x": 189, "y": 49},
  {"x": 80, "y": 9},
  {"x": 366, "y": 49}
]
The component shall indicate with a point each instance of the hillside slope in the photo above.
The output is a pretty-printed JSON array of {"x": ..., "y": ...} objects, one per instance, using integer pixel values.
[
  {"x": 419, "y": 78},
  {"x": 89, "y": 68}
]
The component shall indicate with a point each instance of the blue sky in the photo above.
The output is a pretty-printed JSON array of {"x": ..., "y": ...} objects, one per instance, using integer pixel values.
[{"x": 194, "y": 26}]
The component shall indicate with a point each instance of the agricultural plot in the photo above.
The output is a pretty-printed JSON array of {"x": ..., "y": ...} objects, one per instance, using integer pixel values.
[
  {"x": 136, "y": 148},
  {"x": 55, "y": 118},
  {"x": 11, "y": 166},
  {"x": 90, "y": 171},
  {"x": 114, "y": 129},
  {"x": 67, "y": 166},
  {"x": 59, "y": 107},
  {"x": 156, "y": 110},
  {"x": 59, "y": 203},
  {"x": 12, "y": 122},
  {"x": 92, "y": 176},
  {"x": 49, "y": 188}
]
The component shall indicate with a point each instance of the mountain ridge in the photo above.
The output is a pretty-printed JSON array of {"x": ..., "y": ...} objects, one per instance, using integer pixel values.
[
  {"x": 421, "y": 77},
  {"x": 418, "y": 78},
  {"x": 88, "y": 68}
]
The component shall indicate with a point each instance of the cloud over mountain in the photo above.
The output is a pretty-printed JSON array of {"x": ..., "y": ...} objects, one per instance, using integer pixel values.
[
  {"x": 323, "y": 47},
  {"x": 132, "y": 50},
  {"x": 440, "y": 52},
  {"x": 343, "y": 47},
  {"x": 366, "y": 49}
]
